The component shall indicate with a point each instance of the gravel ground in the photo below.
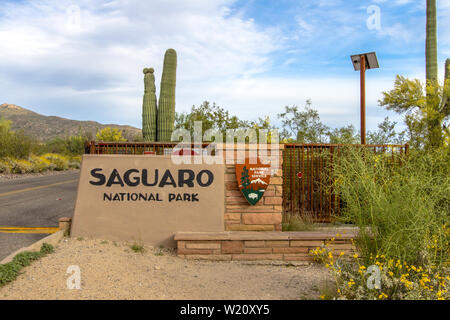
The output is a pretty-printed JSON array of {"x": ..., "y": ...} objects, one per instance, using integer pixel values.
[
  {"x": 10, "y": 176},
  {"x": 111, "y": 270}
]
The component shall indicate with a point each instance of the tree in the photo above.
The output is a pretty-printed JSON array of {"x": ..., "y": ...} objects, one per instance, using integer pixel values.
[
  {"x": 5, "y": 126},
  {"x": 431, "y": 42},
  {"x": 211, "y": 116},
  {"x": 344, "y": 135},
  {"x": 424, "y": 109},
  {"x": 386, "y": 134},
  {"x": 245, "y": 181},
  {"x": 110, "y": 135},
  {"x": 302, "y": 126},
  {"x": 13, "y": 144}
]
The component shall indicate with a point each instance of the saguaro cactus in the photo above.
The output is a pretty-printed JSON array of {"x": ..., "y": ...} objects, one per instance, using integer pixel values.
[
  {"x": 166, "y": 103},
  {"x": 447, "y": 70},
  {"x": 446, "y": 109},
  {"x": 431, "y": 42},
  {"x": 149, "y": 108}
]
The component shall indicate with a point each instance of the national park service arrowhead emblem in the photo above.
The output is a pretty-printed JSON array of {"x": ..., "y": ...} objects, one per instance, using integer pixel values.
[{"x": 253, "y": 179}]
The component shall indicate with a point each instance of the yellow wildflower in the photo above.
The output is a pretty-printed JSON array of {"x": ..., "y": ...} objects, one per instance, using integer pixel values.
[{"x": 382, "y": 296}]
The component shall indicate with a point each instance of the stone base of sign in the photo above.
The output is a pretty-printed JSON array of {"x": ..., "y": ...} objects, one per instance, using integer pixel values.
[
  {"x": 280, "y": 246},
  {"x": 266, "y": 215},
  {"x": 64, "y": 224}
]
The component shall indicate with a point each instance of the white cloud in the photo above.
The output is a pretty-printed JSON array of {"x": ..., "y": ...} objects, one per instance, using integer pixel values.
[
  {"x": 305, "y": 28},
  {"x": 397, "y": 32},
  {"x": 87, "y": 64},
  {"x": 46, "y": 52}
]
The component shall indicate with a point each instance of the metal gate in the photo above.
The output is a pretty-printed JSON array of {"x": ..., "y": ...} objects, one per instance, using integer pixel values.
[{"x": 307, "y": 183}]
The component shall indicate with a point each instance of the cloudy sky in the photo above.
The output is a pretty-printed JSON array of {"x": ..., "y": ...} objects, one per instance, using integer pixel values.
[{"x": 83, "y": 59}]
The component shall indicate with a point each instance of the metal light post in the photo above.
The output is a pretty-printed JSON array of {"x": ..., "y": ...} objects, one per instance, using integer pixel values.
[{"x": 362, "y": 62}]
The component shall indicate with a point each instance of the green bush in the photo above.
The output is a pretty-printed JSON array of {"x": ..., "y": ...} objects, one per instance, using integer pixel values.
[
  {"x": 48, "y": 161},
  {"x": 75, "y": 162},
  {"x": 9, "y": 271},
  {"x": 405, "y": 206},
  {"x": 40, "y": 164},
  {"x": 21, "y": 166},
  {"x": 15, "y": 145},
  {"x": 5, "y": 166},
  {"x": 298, "y": 223},
  {"x": 398, "y": 279},
  {"x": 57, "y": 162},
  {"x": 18, "y": 153},
  {"x": 46, "y": 248},
  {"x": 24, "y": 259}
]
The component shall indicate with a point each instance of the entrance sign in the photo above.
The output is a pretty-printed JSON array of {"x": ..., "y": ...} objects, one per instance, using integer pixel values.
[
  {"x": 253, "y": 179},
  {"x": 147, "y": 198}
]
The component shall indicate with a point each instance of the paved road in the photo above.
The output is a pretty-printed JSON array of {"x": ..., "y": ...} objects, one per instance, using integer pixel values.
[{"x": 34, "y": 202}]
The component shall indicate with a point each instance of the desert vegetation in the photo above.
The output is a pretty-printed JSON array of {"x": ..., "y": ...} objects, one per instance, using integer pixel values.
[
  {"x": 20, "y": 153},
  {"x": 402, "y": 211},
  {"x": 402, "y": 214},
  {"x": 23, "y": 154}
]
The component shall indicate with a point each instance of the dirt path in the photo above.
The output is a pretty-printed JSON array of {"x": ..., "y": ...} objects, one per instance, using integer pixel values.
[{"x": 113, "y": 271}]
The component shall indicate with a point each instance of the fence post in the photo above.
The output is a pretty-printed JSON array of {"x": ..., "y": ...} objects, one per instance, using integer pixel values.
[{"x": 92, "y": 147}]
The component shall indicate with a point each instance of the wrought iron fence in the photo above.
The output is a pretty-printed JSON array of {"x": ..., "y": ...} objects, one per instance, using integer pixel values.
[
  {"x": 158, "y": 148},
  {"x": 307, "y": 180}
]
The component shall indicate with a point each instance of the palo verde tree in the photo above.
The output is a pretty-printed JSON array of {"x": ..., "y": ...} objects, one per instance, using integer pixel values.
[
  {"x": 212, "y": 117},
  {"x": 424, "y": 109},
  {"x": 110, "y": 134},
  {"x": 302, "y": 126}
]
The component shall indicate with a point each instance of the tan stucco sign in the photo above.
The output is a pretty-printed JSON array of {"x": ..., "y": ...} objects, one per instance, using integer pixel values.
[{"x": 147, "y": 198}]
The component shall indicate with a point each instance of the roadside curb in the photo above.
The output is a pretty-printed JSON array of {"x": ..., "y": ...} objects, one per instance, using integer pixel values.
[{"x": 52, "y": 239}]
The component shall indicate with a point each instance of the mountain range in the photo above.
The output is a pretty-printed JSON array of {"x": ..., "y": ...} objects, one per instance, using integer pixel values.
[{"x": 48, "y": 127}]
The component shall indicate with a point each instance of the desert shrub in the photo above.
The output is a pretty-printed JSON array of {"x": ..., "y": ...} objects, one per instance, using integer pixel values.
[
  {"x": 20, "y": 165},
  {"x": 402, "y": 214},
  {"x": 40, "y": 164},
  {"x": 74, "y": 165},
  {"x": 405, "y": 206},
  {"x": 57, "y": 162},
  {"x": 18, "y": 151},
  {"x": 68, "y": 146},
  {"x": 48, "y": 161},
  {"x": 75, "y": 144},
  {"x": 398, "y": 280},
  {"x": 55, "y": 145},
  {"x": 15, "y": 145},
  {"x": 9, "y": 271},
  {"x": 5, "y": 166},
  {"x": 75, "y": 161},
  {"x": 298, "y": 223},
  {"x": 46, "y": 248}
]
